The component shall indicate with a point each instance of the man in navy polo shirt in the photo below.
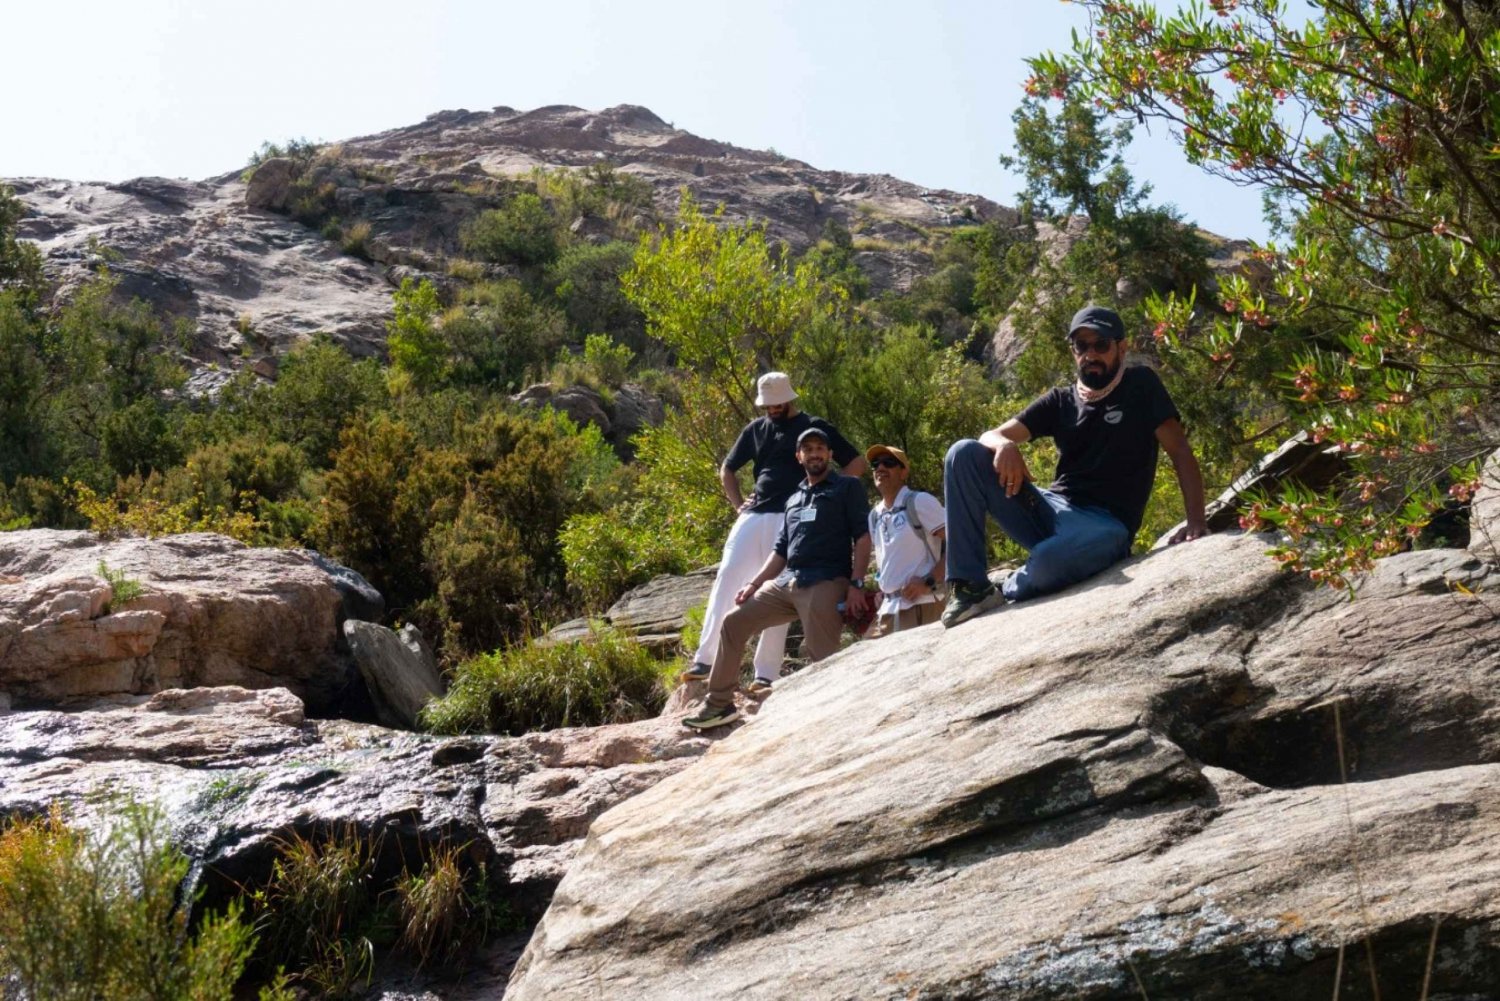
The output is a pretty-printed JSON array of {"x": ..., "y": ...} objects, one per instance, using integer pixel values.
[
  {"x": 820, "y": 559},
  {"x": 1108, "y": 426},
  {"x": 770, "y": 443}
]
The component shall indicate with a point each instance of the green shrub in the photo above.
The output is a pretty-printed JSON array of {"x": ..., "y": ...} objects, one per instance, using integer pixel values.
[
  {"x": 122, "y": 589},
  {"x": 608, "y": 553},
  {"x": 356, "y": 239},
  {"x": 87, "y": 917},
  {"x": 606, "y": 678},
  {"x": 318, "y": 912},
  {"x": 523, "y": 232},
  {"x": 587, "y": 279}
]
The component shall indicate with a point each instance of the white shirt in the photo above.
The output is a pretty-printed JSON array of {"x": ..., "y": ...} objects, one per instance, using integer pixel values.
[{"x": 900, "y": 553}]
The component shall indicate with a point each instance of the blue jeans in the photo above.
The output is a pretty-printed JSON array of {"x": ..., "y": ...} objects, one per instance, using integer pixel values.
[{"x": 1066, "y": 543}]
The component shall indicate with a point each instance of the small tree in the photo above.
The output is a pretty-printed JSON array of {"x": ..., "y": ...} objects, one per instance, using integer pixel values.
[{"x": 1372, "y": 132}]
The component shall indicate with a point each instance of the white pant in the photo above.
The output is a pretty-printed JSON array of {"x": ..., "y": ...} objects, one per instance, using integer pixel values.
[{"x": 751, "y": 540}]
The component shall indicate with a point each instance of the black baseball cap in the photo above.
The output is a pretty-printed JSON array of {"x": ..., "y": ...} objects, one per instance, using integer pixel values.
[
  {"x": 812, "y": 433},
  {"x": 1100, "y": 320}
]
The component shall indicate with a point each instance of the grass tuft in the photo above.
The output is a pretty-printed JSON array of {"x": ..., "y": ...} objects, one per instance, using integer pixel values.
[{"x": 606, "y": 678}]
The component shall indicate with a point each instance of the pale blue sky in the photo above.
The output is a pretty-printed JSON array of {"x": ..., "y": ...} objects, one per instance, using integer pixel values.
[{"x": 100, "y": 90}]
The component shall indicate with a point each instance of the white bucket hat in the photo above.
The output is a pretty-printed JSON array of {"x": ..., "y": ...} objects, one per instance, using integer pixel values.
[{"x": 774, "y": 388}]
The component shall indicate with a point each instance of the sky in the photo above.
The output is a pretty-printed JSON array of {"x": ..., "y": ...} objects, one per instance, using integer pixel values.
[{"x": 108, "y": 91}]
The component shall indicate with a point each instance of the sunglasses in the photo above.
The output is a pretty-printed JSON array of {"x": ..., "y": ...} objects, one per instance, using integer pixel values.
[
  {"x": 887, "y": 461},
  {"x": 1083, "y": 347}
]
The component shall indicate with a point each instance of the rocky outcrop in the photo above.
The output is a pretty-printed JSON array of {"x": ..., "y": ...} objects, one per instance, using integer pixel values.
[
  {"x": 211, "y": 611},
  {"x": 400, "y": 672},
  {"x": 235, "y": 769},
  {"x": 1134, "y": 788},
  {"x": 653, "y": 613}
]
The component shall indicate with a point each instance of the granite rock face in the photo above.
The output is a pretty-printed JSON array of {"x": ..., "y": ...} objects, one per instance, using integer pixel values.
[
  {"x": 212, "y": 612},
  {"x": 1134, "y": 786},
  {"x": 235, "y": 769}
]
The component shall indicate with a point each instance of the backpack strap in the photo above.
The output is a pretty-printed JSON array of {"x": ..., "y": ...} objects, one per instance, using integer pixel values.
[{"x": 914, "y": 519}]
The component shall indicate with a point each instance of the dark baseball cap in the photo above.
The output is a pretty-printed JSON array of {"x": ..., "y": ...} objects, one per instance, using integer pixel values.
[
  {"x": 812, "y": 433},
  {"x": 1100, "y": 320}
]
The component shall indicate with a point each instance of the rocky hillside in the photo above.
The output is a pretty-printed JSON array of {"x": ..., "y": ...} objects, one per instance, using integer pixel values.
[{"x": 230, "y": 256}]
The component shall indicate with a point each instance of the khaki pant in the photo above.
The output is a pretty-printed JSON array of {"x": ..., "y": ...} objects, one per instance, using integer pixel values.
[
  {"x": 774, "y": 604},
  {"x": 908, "y": 618}
]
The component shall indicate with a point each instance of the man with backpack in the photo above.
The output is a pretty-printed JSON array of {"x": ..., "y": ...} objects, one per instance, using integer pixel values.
[{"x": 907, "y": 528}]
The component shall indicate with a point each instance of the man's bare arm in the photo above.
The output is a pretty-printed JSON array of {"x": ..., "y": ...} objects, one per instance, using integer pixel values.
[
  {"x": 731, "y": 484},
  {"x": 1173, "y": 439},
  {"x": 856, "y": 467},
  {"x": 1010, "y": 466},
  {"x": 856, "y": 601}
]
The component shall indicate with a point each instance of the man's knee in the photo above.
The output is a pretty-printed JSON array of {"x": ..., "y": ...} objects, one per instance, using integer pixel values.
[{"x": 967, "y": 450}]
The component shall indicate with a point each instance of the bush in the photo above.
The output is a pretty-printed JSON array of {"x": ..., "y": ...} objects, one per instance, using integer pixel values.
[
  {"x": 607, "y": 554},
  {"x": 523, "y": 232},
  {"x": 607, "y": 678},
  {"x": 91, "y": 917},
  {"x": 587, "y": 279},
  {"x": 122, "y": 589}
]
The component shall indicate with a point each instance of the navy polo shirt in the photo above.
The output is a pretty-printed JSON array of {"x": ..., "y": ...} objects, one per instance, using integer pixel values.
[
  {"x": 772, "y": 444},
  {"x": 821, "y": 525}
]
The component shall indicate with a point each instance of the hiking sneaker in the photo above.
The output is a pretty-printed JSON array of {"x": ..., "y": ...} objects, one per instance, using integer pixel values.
[
  {"x": 712, "y": 716},
  {"x": 968, "y": 600},
  {"x": 698, "y": 672},
  {"x": 759, "y": 686}
]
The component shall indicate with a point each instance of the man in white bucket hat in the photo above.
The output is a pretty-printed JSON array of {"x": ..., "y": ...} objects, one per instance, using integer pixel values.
[{"x": 770, "y": 442}]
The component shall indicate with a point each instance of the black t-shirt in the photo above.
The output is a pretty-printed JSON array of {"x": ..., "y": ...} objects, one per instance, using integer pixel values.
[
  {"x": 821, "y": 525},
  {"x": 773, "y": 446},
  {"x": 1106, "y": 451}
]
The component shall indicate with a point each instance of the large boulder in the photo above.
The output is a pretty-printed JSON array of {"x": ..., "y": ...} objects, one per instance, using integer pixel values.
[
  {"x": 1192, "y": 776},
  {"x": 212, "y": 611},
  {"x": 399, "y": 669}
]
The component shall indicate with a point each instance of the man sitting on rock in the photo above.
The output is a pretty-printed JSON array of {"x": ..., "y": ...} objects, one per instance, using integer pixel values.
[
  {"x": 907, "y": 529},
  {"x": 1107, "y": 426},
  {"x": 771, "y": 443},
  {"x": 822, "y": 550}
]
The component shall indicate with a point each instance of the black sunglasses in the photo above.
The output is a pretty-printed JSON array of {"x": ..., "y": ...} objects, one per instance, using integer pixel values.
[
  {"x": 888, "y": 461},
  {"x": 1083, "y": 347}
]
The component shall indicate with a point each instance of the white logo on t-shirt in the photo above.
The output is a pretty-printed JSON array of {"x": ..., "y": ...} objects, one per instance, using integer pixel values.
[{"x": 1113, "y": 416}]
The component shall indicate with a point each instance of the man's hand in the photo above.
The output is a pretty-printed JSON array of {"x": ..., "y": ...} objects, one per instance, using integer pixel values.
[
  {"x": 747, "y": 592},
  {"x": 1187, "y": 533},
  {"x": 1010, "y": 468},
  {"x": 856, "y": 602},
  {"x": 746, "y": 504},
  {"x": 914, "y": 589}
]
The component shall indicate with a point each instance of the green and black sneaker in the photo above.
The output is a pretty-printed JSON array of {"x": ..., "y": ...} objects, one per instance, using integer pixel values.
[
  {"x": 710, "y": 717},
  {"x": 967, "y": 600}
]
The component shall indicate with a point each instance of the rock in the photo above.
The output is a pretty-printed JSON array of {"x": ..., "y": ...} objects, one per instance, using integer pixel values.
[
  {"x": 236, "y": 769},
  {"x": 358, "y": 598},
  {"x": 270, "y": 184},
  {"x": 213, "y": 612},
  {"x": 1137, "y": 778},
  {"x": 583, "y": 406},
  {"x": 633, "y": 410},
  {"x": 399, "y": 671},
  {"x": 655, "y": 612},
  {"x": 1484, "y": 513}
]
